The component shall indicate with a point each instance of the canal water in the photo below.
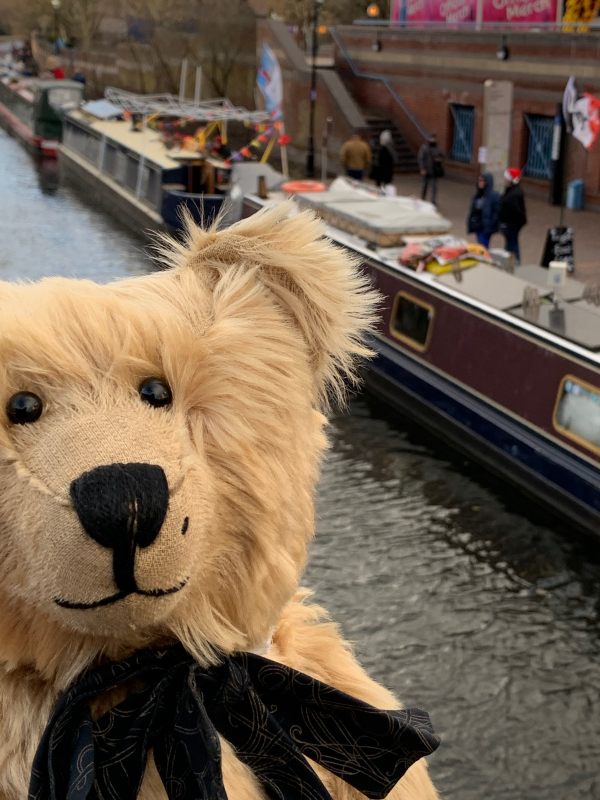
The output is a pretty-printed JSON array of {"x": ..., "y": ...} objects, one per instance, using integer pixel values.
[{"x": 458, "y": 595}]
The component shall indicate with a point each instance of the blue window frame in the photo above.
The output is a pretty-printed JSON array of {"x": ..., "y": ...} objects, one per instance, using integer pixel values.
[
  {"x": 540, "y": 130},
  {"x": 463, "y": 119}
]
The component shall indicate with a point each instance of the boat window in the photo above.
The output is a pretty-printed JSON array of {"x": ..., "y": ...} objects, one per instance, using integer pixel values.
[
  {"x": 110, "y": 159},
  {"x": 83, "y": 142},
  {"x": 64, "y": 97},
  {"x": 411, "y": 320},
  {"x": 121, "y": 166},
  {"x": 577, "y": 413},
  {"x": 131, "y": 172}
]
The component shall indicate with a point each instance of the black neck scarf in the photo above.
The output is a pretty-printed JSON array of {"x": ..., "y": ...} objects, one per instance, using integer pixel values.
[{"x": 274, "y": 717}]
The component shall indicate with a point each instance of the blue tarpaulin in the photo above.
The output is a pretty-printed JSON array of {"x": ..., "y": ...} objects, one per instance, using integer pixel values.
[{"x": 102, "y": 109}]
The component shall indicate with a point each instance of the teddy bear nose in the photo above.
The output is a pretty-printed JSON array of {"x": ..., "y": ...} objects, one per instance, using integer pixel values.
[
  {"x": 122, "y": 507},
  {"x": 122, "y": 500}
]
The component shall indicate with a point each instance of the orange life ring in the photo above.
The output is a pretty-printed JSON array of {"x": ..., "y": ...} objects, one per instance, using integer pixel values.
[{"x": 298, "y": 187}]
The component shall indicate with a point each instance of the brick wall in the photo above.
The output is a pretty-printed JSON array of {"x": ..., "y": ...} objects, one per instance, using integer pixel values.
[
  {"x": 432, "y": 69},
  {"x": 332, "y": 100}
]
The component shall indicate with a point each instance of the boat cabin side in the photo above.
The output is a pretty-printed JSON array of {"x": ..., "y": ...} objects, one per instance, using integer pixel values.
[
  {"x": 467, "y": 329},
  {"x": 135, "y": 161},
  {"x": 52, "y": 100},
  {"x": 41, "y": 105}
]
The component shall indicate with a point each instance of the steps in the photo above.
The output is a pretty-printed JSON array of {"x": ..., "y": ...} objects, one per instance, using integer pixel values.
[{"x": 407, "y": 160}]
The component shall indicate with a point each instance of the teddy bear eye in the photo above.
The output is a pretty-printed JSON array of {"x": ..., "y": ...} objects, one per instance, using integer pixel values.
[
  {"x": 23, "y": 408},
  {"x": 156, "y": 392}
]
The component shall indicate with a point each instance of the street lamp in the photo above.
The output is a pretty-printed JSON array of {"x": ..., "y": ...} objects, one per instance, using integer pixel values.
[
  {"x": 310, "y": 158},
  {"x": 56, "y": 8}
]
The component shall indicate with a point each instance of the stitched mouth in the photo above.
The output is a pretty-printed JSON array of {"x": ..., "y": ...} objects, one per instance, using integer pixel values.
[{"x": 115, "y": 598}]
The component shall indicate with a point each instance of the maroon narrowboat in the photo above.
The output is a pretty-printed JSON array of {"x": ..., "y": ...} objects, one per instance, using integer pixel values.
[
  {"x": 516, "y": 387},
  {"x": 513, "y": 382}
]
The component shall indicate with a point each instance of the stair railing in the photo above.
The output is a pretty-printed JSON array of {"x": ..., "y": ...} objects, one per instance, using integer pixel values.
[{"x": 418, "y": 133}]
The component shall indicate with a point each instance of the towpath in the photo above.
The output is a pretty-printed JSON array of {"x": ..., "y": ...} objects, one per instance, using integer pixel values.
[{"x": 454, "y": 200}]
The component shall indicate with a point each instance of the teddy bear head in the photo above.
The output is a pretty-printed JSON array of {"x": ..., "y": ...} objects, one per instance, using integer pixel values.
[{"x": 160, "y": 439}]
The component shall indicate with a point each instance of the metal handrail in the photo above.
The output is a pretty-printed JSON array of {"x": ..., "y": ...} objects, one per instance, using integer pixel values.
[
  {"x": 218, "y": 109},
  {"x": 564, "y": 26},
  {"x": 383, "y": 80}
]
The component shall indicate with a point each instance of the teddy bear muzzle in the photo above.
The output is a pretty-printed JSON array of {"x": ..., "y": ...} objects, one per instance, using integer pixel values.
[{"x": 122, "y": 507}]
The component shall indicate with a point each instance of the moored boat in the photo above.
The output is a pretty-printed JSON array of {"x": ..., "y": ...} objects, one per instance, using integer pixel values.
[
  {"x": 33, "y": 110},
  {"x": 497, "y": 364},
  {"x": 127, "y": 150}
]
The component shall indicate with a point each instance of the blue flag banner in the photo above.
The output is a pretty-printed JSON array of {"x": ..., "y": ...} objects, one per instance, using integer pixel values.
[{"x": 270, "y": 82}]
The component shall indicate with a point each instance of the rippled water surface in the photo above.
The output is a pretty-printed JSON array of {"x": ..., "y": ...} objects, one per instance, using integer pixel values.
[
  {"x": 460, "y": 603},
  {"x": 47, "y": 229},
  {"x": 456, "y": 597}
]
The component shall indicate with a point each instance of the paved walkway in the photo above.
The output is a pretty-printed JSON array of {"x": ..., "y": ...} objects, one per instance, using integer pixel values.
[{"x": 454, "y": 200}]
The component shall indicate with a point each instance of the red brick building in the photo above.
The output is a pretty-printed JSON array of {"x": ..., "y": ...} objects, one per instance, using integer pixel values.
[{"x": 432, "y": 81}]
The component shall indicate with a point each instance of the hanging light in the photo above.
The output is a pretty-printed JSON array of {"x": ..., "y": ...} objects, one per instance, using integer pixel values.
[{"x": 502, "y": 53}]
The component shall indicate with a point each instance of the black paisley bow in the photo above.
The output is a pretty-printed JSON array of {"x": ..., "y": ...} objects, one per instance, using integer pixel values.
[{"x": 275, "y": 718}]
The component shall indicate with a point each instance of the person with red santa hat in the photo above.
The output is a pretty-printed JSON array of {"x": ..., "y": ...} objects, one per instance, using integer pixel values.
[{"x": 512, "y": 213}]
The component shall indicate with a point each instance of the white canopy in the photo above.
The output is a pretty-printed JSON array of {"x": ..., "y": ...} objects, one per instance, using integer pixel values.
[{"x": 217, "y": 110}]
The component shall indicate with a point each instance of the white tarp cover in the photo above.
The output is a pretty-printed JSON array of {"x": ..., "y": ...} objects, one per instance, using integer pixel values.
[{"x": 347, "y": 203}]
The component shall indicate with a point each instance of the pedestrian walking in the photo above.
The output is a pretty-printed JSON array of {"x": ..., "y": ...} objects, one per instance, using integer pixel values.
[
  {"x": 431, "y": 166},
  {"x": 512, "y": 215},
  {"x": 386, "y": 160},
  {"x": 485, "y": 205},
  {"x": 355, "y": 156}
]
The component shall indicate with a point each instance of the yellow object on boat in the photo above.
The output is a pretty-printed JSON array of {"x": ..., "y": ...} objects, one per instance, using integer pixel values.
[{"x": 436, "y": 268}]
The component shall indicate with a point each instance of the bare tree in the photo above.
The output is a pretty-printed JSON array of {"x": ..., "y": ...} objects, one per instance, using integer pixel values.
[
  {"x": 151, "y": 41},
  {"x": 225, "y": 40},
  {"x": 81, "y": 20},
  {"x": 219, "y": 36},
  {"x": 300, "y": 12},
  {"x": 24, "y": 17}
]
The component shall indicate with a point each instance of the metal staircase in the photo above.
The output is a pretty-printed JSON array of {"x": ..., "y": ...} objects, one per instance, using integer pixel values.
[
  {"x": 376, "y": 121},
  {"x": 407, "y": 161}
]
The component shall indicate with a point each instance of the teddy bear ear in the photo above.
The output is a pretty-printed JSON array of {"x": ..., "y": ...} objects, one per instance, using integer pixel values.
[{"x": 318, "y": 284}]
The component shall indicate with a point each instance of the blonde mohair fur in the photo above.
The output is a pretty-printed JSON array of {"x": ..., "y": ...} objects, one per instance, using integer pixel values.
[{"x": 256, "y": 329}]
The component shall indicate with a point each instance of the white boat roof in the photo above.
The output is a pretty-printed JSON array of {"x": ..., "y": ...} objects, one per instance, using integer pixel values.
[
  {"x": 494, "y": 291},
  {"x": 491, "y": 285},
  {"x": 356, "y": 208},
  {"x": 147, "y": 142},
  {"x": 575, "y": 323}
]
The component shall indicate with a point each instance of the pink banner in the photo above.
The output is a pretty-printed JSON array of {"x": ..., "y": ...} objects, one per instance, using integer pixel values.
[
  {"x": 396, "y": 8},
  {"x": 449, "y": 11},
  {"x": 519, "y": 11},
  {"x": 457, "y": 11},
  {"x": 453, "y": 11}
]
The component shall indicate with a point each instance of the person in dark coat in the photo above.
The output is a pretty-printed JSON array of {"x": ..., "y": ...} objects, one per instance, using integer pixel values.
[
  {"x": 386, "y": 160},
  {"x": 483, "y": 216},
  {"x": 431, "y": 167},
  {"x": 513, "y": 216}
]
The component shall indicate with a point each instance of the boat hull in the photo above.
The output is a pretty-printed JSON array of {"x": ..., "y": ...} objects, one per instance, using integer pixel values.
[
  {"x": 108, "y": 194},
  {"x": 47, "y": 148},
  {"x": 491, "y": 389},
  {"x": 556, "y": 478}
]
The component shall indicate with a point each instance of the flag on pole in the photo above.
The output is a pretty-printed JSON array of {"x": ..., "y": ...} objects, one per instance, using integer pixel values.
[
  {"x": 569, "y": 100},
  {"x": 582, "y": 114},
  {"x": 270, "y": 82}
]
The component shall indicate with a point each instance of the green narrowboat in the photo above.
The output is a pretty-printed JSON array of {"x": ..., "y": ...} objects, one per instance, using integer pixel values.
[{"x": 33, "y": 110}]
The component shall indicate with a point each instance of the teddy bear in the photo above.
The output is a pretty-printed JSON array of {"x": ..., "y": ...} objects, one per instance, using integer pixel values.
[{"x": 159, "y": 451}]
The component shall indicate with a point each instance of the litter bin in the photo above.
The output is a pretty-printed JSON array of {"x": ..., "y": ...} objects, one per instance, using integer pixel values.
[{"x": 575, "y": 194}]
